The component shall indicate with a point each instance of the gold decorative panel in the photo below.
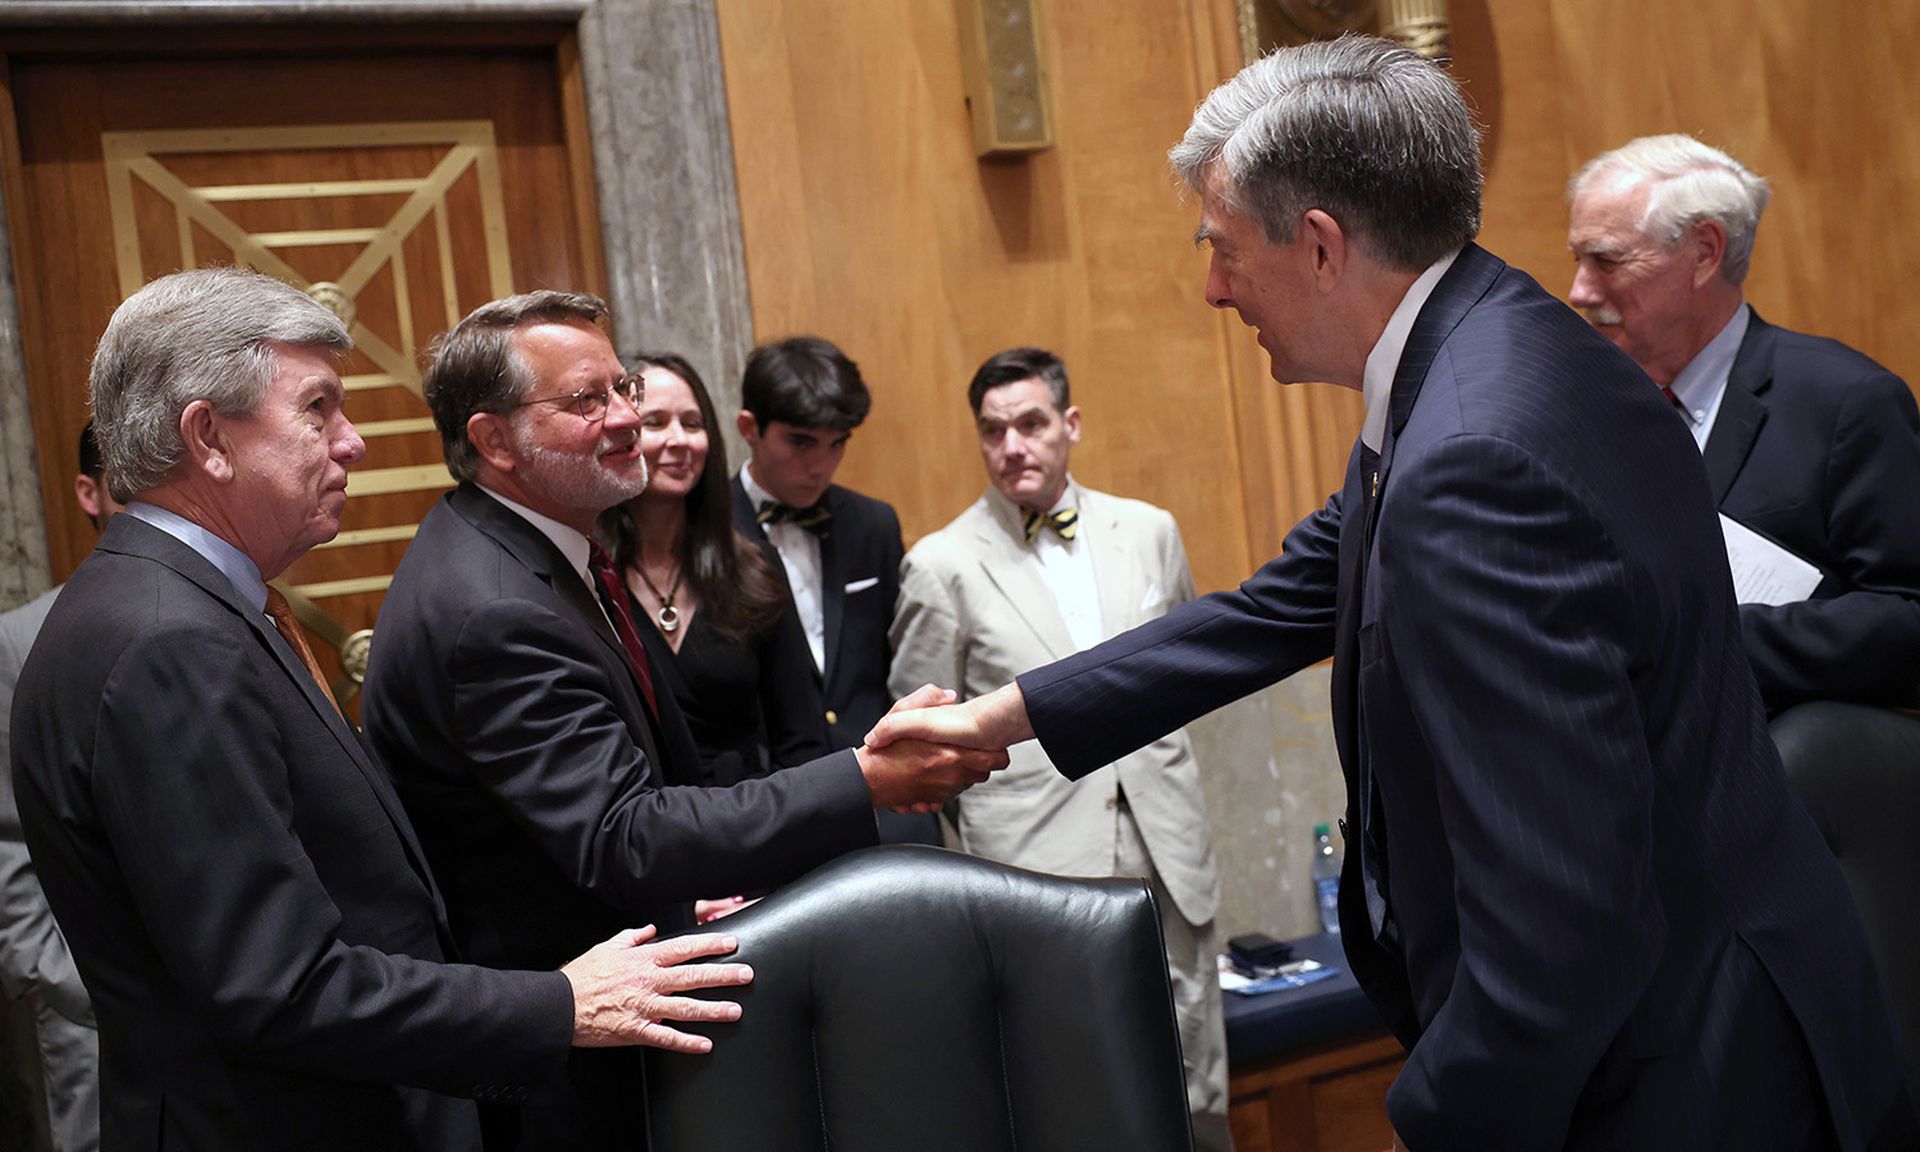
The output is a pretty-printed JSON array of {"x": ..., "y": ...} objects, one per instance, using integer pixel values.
[{"x": 385, "y": 224}]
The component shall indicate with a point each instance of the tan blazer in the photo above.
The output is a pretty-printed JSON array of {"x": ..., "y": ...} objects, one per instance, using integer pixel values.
[{"x": 975, "y": 612}]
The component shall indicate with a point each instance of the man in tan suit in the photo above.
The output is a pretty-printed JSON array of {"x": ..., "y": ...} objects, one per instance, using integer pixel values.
[{"x": 1039, "y": 568}]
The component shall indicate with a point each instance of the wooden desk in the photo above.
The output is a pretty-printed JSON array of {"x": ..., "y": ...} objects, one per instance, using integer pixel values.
[{"x": 1310, "y": 1066}]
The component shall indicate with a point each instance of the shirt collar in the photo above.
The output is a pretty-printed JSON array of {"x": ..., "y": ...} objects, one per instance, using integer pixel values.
[
  {"x": 1017, "y": 515},
  {"x": 756, "y": 495},
  {"x": 572, "y": 542},
  {"x": 1700, "y": 383},
  {"x": 1376, "y": 381},
  {"x": 234, "y": 564},
  {"x": 1069, "y": 496}
]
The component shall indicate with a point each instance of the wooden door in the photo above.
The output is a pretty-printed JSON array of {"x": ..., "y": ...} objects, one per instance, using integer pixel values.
[{"x": 400, "y": 184}]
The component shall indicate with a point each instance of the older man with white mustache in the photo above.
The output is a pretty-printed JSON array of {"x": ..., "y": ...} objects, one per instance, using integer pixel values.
[{"x": 1806, "y": 441}]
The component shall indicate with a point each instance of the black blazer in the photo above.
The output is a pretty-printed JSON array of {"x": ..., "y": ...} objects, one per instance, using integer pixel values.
[
  {"x": 860, "y": 582},
  {"x": 241, "y": 889},
  {"x": 1576, "y": 885},
  {"x": 500, "y": 698},
  {"x": 1818, "y": 448}
]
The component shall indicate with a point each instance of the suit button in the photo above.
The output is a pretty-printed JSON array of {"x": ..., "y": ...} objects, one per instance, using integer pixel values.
[
  {"x": 1113, "y": 801},
  {"x": 832, "y": 716}
]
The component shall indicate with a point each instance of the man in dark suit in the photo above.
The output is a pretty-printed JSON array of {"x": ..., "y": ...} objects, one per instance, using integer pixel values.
[
  {"x": 1806, "y": 441},
  {"x": 801, "y": 398},
  {"x": 1576, "y": 884},
  {"x": 511, "y": 697},
  {"x": 244, "y": 897}
]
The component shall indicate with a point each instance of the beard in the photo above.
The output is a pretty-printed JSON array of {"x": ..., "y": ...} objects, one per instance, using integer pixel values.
[{"x": 576, "y": 481}]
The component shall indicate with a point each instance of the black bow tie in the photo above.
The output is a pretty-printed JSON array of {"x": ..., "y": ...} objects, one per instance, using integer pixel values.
[{"x": 816, "y": 518}]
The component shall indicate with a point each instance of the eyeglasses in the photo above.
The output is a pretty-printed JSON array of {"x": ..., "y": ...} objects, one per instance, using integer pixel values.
[{"x": 592, "y": 403}]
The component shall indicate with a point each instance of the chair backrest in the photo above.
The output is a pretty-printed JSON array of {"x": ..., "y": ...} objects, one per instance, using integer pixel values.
[
  {"x": 907, "y": 997},
  {"x": 1857, "y": 769}
]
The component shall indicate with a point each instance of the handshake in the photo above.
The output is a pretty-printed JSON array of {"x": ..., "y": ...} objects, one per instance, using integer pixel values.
[
  {"x": 928, "y": 749},
  {"x": 632, "y": 989}
]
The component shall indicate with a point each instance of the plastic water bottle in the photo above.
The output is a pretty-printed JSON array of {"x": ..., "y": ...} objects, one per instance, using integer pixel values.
[{"x": 1326, "y": 879}]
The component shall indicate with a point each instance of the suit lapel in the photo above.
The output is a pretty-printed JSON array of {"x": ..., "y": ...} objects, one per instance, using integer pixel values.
[
  {"x": 1472, "y": 274},
  {"x": 1743, "y": 408},
  {"x": 1113, "y": 565},
  {"x": 537, "y": 553},
  {"x": 834, "y": 549},
  {"x": 1015, "y": 571},
  {"x": 745, "y": 516},
  {"x": 1346, "y": 629},
  {"x": 136, "y": 537}
]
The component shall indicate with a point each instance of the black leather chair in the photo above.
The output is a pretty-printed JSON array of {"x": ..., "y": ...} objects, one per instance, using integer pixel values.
[
  {"x": 1857, "y": 769},
  {"x": 911, "y": 999}
]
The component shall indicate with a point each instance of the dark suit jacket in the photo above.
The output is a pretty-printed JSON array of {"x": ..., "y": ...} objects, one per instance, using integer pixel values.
[
  {"x": 239, "y": 885},
  {"x": 1818, "y": 448},
  {"x": 1577, "y": 885},
  {"x": 500, "y": 699},
  {"x": 860, "y": 581}
]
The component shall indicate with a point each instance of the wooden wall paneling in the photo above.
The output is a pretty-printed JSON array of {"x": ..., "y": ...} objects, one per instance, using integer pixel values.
[
  {"x": 498, "y": 226},
  {"x": 868, "y": 219},
  {"x": 1815, "y": 105}
]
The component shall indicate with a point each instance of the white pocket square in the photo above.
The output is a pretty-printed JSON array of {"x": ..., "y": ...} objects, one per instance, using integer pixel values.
[
  {"x": 1153, "y": 600},
  {"x": 862, "y": 585}
]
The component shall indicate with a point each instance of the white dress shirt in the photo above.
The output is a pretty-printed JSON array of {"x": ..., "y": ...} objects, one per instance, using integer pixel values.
[
  {"x": 800, "y": 555},
  {"x": 1067, "y": 567},
  {"x": 1702, "y": 384},
  {"x": 1376, "y": 380}
]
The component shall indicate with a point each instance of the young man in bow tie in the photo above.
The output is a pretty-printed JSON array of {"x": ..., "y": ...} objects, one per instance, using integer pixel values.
[{"x": 801, "y": 399}]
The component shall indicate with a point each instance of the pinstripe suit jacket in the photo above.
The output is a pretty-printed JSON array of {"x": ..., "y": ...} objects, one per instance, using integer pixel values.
[{"x": 1577, "y": 885}]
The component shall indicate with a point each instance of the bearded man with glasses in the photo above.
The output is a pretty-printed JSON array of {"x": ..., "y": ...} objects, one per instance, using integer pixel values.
[{"x": 512, "y": 700}]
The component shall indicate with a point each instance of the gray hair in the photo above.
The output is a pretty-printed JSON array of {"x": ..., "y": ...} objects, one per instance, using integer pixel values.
[
  {"x": 1687, "y": 183},
  {"x": 201, "y": 335},
  {"x": 1370, "y": 133},
  {"x": 477, "y": 365}
]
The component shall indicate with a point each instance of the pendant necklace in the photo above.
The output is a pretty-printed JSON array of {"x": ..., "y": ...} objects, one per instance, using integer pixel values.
[{"x": 669, "y": 616}]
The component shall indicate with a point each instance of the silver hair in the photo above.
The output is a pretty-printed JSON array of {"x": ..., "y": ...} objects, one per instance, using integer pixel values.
[
  {"x": 1687, "y": 183},
  {"x": 201, "y": 335},
  {"x": 1374, "y": 135}
]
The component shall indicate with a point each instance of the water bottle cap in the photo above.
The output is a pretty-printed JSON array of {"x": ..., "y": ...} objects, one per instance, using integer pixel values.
[{"x": 1319, "y": 829}]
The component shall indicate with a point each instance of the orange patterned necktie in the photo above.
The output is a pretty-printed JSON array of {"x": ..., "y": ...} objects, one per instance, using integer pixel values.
[{"x": 282, "y": 613}]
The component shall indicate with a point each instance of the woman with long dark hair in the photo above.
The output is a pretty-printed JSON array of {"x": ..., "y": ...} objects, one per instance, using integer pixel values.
[{"x": 724, "y": 637}]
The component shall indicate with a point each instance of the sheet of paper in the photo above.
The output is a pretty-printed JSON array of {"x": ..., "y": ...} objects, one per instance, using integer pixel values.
[
  {"x": 1297, "y": 974},
  {"x": 1764, "y": 572}
]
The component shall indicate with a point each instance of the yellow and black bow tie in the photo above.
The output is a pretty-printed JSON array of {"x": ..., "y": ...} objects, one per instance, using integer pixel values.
[
  {"x": 1065, "y": 521},
  {"x": 816, "y": 519}
]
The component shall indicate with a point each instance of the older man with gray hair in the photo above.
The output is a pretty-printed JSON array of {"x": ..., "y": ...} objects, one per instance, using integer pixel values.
[
  {"x": 1576, "y": 884},
  {"x": 1806, "y": 442},
  {"x": 244, "y": 897}
]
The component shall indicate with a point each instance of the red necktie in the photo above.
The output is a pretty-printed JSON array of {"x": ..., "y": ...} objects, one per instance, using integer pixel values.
[
  {"x": 613, "y": 594},
  {"x": 1673, "y": 399}
]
